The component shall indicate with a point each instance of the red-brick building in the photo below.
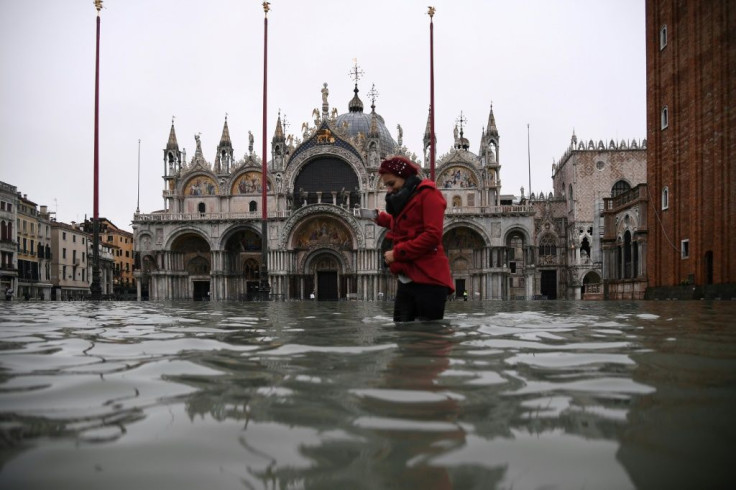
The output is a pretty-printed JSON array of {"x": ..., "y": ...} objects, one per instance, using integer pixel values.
[{"x": 691, "y": 119}]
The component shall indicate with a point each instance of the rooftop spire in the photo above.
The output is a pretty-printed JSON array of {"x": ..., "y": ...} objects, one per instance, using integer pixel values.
[
  {"x": 279, "y": 133},
  {"x": 172, "y": 143},
  {"x": 492, "y": 129},
  {"x": 225, "y": 139}
]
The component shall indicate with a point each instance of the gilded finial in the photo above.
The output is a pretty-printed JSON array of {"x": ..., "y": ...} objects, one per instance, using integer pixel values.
[
  {"x": 98, "y": 6},
  {"x": 266, "y": 7},
  {"x": 431, "y": 11}
]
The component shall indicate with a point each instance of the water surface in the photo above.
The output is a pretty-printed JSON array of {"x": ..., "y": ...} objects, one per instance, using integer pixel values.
[{"x": 506, "y": 395}]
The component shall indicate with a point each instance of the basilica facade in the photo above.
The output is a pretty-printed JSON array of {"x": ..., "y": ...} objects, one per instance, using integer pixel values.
[{"x": 208, "y": 242}]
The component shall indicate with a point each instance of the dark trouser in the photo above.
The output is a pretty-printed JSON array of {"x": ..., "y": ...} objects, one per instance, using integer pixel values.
[{"x": 419, "y": 302}]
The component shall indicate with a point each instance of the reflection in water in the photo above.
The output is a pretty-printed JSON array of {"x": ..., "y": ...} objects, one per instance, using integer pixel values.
[{"x": 314, "y": 395}]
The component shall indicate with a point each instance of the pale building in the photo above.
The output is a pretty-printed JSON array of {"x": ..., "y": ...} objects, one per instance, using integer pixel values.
[
  {"x": 8, "y": 239},
  {"x": 586, "y": 175},
  {"x": 70, "y": 267},
  {"x": 34, "y": 250}
]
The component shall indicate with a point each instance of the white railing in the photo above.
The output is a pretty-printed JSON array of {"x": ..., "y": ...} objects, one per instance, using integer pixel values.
[
  {"x": 207, "y": 216},
  {"x": 490, "y": 209}
]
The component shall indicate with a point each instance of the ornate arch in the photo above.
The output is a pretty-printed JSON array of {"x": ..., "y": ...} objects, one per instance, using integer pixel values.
[
  {"x": 309, "y": 260},
  {"x": 184, "y": 229},
  {"x": 314, "y": 210},
  {"x": 471, "y": 225},
  {"x": 247, "y": 181},
  {"x": 297, "y": 163},
  {"x": 235, "y": 228},
  {"x": 517, "y": 228},
  {"x": 200, "y": 183},
  {"x": 458, "y": 175}
]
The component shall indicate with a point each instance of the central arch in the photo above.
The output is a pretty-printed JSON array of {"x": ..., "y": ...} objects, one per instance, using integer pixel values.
[{"x": 326, "y": 179}]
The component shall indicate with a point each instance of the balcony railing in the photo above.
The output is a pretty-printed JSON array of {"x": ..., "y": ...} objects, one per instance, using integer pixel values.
[{"x": 463, "y": 210}]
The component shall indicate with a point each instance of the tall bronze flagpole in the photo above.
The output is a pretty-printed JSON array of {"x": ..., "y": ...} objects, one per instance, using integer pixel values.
[
  {"x": 431, "y": 93},
  {"x": 264, "y": 286},
  {"x": 95, "y": 287}
]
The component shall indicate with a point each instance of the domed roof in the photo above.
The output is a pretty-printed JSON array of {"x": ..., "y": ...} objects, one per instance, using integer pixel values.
[{"x": 356, "y": 121}]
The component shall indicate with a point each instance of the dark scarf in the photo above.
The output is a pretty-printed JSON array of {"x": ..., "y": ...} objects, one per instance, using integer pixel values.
[{"x": 396, "y": 201}]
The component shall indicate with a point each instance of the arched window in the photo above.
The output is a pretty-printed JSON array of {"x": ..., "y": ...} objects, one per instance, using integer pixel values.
[
  {"x": 252, "y": 206},
  {"x": 665, "y": 118},
  {"x": 665, "y": 198},
  {"x": 619, "y": 188},
  {"x": 663, "y": 37},
  {"x": 585, "y": 248},
  {"x": 547, "y": 245},
  {"x": 627, "y": 255},
  {"x": 515, "y": 251},
  {"x": 201, "y": 207}
]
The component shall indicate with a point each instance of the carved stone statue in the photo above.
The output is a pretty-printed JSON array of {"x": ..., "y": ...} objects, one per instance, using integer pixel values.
[
  {"x": 250, "y": 141},
  {"x": 344, "y": 196},
  {"x": 325, "y": 93},
  {"x": 401, "y": 135}
]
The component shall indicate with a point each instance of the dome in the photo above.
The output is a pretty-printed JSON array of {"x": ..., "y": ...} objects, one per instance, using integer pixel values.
[{"x": 356, "y": 121}]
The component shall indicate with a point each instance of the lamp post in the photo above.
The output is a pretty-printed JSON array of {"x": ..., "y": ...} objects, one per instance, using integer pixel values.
[{"x": 95, "y": 288}]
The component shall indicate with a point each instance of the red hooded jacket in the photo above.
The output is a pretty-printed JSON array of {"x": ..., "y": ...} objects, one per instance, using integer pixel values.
[{"x": 416, "y": 234}]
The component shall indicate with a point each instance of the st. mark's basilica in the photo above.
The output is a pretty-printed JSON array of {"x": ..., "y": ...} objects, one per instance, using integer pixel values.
[{"x": 207, "y": 243}]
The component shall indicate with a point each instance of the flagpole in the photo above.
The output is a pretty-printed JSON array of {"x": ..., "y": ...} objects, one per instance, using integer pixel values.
[
  {"x": 431, "y": 93},
  {"x": 264, "y": 286},
  {"x": 138, "y": 202},
  {"x": 95, "y": 287},
  {"x": 529, "y": 159}
]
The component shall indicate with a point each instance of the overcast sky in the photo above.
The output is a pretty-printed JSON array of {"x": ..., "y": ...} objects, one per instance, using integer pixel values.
[{"x": 556, "y": 65}]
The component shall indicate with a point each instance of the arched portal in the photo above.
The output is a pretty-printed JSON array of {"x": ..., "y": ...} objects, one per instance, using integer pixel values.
[
  {"x": 190, "y": 253},
  {"x": 242, "y": 264},
  {"x": 464, "y": 248},
  {"x": 322, "y": 245}
]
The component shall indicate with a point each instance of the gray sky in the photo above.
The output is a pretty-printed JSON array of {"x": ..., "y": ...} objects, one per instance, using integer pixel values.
[{"x": 557, "y": 65}]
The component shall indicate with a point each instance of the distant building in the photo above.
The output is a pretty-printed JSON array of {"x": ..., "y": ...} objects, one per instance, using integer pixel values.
[
  {"x": 569, "y": 226},
  {"x": 119, "y": 243},
  {"x": 8, "y": 238},
  {"x": 69, "y": 261},
  {"x": 691, "y": 128},
  {"x": 34, "y": 250}
]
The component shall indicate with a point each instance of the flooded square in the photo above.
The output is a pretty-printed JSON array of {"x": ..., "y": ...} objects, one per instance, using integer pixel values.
[{"x": 264, "y": 395}]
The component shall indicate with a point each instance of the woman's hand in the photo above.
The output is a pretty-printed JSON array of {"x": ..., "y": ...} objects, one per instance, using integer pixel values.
[{"x": 388, "y": 256}]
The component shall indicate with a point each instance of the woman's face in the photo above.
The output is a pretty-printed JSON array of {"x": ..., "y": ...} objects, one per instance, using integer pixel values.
[{"x": 392, "y": 182}]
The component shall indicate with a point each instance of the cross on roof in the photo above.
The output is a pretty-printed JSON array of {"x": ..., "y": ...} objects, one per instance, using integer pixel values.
[
  {"x": 373, "y": 94},
  {"x": 356, "y": 73},
  {"x": 462, "y": 120}
]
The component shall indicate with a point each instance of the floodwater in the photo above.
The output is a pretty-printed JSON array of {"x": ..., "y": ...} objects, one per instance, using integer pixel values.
[{"x": 303, "y": 395}]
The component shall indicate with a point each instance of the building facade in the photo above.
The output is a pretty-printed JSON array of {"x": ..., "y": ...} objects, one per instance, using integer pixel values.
[
  {"x": 8, "y": 239},
  {"x": 573, "y": 218},
  {"x": 69, "y": 261},
  {"x": 207, "y": 241},
  {"x": 34, "y": 250},
  {"x": 691, "y": 129},
  {"x": 119, "y": 243}
]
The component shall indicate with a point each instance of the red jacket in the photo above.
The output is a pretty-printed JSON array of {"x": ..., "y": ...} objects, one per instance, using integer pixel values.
[{"x": 416, "y": 234}]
